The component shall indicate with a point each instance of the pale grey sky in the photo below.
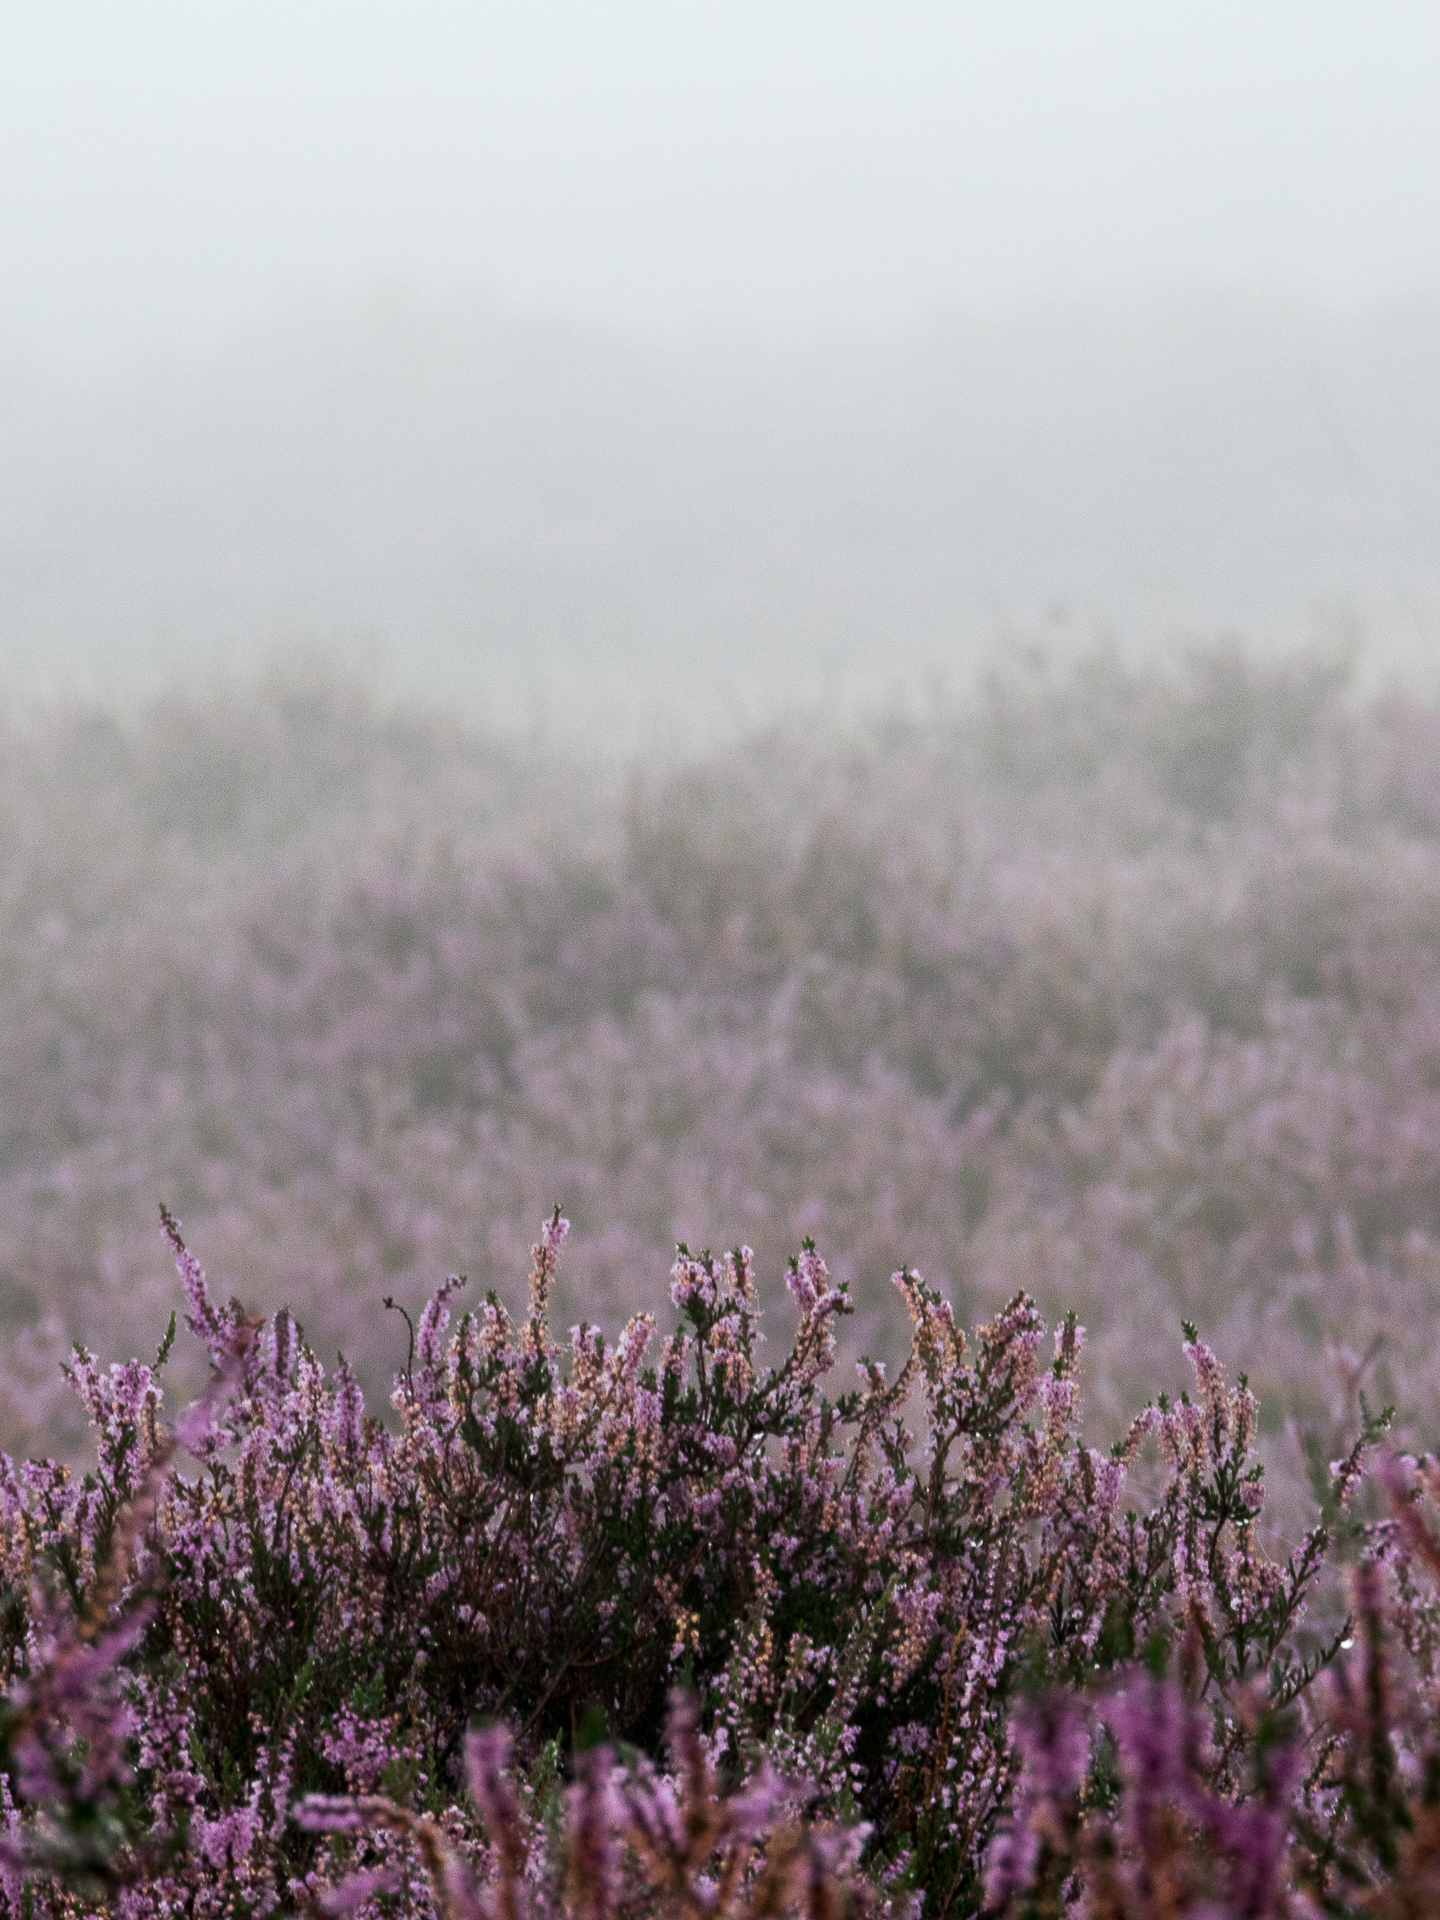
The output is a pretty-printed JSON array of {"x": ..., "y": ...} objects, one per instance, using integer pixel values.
[
  {"x": 627, "y": 345},
  {"x": 171, "y": 173}
]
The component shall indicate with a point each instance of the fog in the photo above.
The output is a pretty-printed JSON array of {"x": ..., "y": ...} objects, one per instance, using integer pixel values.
[
  {"x": 540, "y": 517},
  {"x": 611, "y": 365},
  {"x": 766, "y": 623}
]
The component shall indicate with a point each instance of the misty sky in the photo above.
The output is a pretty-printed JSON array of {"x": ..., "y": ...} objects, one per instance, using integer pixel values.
[
  {"x": 710, "y": 353},
  {"x": 170, "y": 173}
]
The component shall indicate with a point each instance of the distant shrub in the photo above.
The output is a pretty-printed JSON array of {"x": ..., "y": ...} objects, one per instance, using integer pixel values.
[{"x": 1119, "y": 984}]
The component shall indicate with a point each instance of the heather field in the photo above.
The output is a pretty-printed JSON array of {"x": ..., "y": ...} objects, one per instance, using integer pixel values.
[
  {"x": 1107, "y": 1001},
  {"x": 1120, "y": 986}
]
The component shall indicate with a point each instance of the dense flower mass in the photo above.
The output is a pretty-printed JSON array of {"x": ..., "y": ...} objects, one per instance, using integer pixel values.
[{"x": 652, "y": 1626}]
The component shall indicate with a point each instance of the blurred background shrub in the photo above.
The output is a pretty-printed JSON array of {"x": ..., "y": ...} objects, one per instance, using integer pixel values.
[{"x": 1120, "y": 984}]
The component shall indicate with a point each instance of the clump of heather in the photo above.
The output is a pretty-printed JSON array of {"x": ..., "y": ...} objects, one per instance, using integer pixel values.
[
  {"x": 655, "y": 1625},
  {"x": 1167, "y": 1792}
]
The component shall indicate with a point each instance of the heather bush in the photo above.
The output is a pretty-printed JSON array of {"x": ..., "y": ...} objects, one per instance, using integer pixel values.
[
  {"x": 775, "y": 1638},
  {"x": 1173, "y": 1793}
]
